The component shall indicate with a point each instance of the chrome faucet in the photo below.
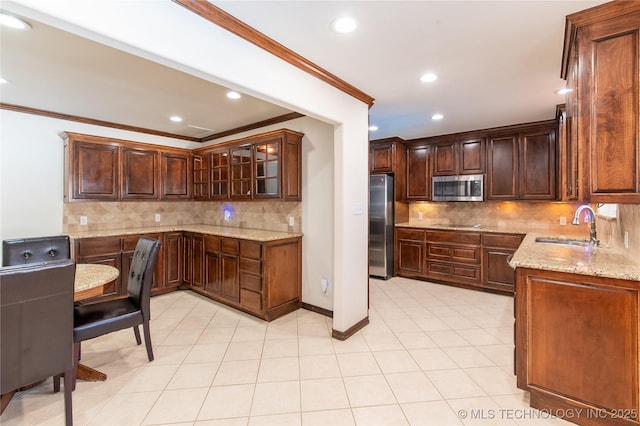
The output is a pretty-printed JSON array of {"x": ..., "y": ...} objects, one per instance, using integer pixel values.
[{"x": 593, "y": 239}]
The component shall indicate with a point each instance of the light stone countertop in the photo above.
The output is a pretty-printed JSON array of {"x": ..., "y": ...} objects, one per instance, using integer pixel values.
[
  {"x": 222, "y": 231},
  {"x": 595, "y": 261}
]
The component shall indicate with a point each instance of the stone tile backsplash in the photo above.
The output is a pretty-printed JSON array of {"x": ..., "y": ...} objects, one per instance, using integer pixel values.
[{"x": 266, "y": 215}]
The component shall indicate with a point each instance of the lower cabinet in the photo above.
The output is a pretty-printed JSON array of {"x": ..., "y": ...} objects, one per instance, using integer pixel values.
[
  {"x": 116, "y": 252},
  {"x": 470, "y": 259},
  {"x": 260, "y": 278},
  {"x": 193, "y": 259},
  {"x": 577, "y": 345}
]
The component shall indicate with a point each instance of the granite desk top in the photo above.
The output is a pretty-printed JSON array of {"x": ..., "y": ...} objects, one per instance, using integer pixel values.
[
  {"x": 595, "y": 261},
  {"x": 222, "y": 231}
]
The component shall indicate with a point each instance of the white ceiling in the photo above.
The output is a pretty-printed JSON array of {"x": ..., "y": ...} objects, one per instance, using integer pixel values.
[{"x": 498, "y": 64}]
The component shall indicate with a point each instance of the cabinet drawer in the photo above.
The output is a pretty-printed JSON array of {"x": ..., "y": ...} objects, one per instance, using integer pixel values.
[
  {"x": 453, "y": 272},
  {"x": 453, "y": 237},
  {"x": 250, "y": 265},
  {"x": 502, "y": 240},
  {"x": 251, "y": 249},
  {"x": 230, "y": 246},
  {"x": 454, "y": 253},
  {"x": 250, "y": 282},
  {"x": 410, "y": 234},
  {"x": 98, "y": 246},
  {"x": 212, "y": 243},
  {"x": 251, "y": 300}
]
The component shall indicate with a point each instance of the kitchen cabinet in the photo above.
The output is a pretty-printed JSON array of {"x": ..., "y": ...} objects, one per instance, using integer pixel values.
[
  {"x": 173, "y": 258},
  {"x": 229, "y": 270},
  {"x": 409, "y": 252},
  {"x": 212, "y": 280},
  {"x": 454, "y": 257},
  {"x": 388, "y": 156},
  {"x": 455, "y": 156},
  {"x": 107, "y": 169},
  {"x": 176, "y": 176},
  {"x": 200, "y": 167},
  {"x": 497, "y": 249},
  {"x": 219, "y": 174},
  {"x": 240, "y": 176},
  {"x": 193, "y": 261},
  {"x": 418, "y": 173},
  {"x": 577, "y": 345},
  {"x": 568, "y": 153},
  {"x": 521, "y": 164},
  {"x": 601, "y": 62},
  {"x": 117, "y": 252}
]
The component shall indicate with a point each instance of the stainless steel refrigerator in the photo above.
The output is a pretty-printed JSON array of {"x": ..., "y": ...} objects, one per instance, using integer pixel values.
[{"x": 381, "y": 226}]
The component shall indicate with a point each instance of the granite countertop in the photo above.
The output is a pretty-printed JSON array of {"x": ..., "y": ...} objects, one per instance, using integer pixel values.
[
  {"x": 223, "y": 231},
  {"x": 595, "y": 261}
]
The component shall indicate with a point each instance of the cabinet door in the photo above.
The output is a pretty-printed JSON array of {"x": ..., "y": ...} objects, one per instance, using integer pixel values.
[
  {"x": 219, "y": 175},
  {"x": 291, "y": 184},
  {"x": 445, "y": 157},
  {"x": 173, "y": 259},
  {"x": 187, "y": 258},
  {"x": 538, "y": 167},
  {"x": 502, "y": 168},
  {"x": 200, "y": 177},
  {"x": 497, "y": 272},
  {"x": 267, "y": 164},
  {"x": 95, "y": 171},
  {"x": 197, "y": 260},
  {"x": 229, "y": 271},
  {"x": 140, "y": 173},
  {"x": 104, "y": 251},
  {"x": 472, "y": 155},
  {"x": 418, "y": 173},
  {"x": 240, "y": 172},
  {"x": 176, "y": 176},
  {"x": 212, "y": 283},
  {"x": 410, "y": 258},
  {"x": 381, "y": 158}
]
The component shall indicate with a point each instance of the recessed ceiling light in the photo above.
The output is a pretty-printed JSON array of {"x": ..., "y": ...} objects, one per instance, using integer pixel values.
[
  {"x": 13, "y": 22},
  {"x": 437, "y": 117},
  {"x": 428, "y": 77},
  {"x": 563, "y": 91},
  {"x": 175, "y": 118},
  {"x": 373, "y": 128},
  {"x": 233, "y": 95},
  {"x": 344, "y": 24}
]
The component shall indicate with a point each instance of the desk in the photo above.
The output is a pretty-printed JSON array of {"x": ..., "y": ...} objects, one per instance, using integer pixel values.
[{"x": 90, "y": 279}]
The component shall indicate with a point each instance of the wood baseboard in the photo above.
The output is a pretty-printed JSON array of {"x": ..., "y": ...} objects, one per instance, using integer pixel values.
[
  {"x": 344, "y": 335},
  {"x": 317, "y": 309}
]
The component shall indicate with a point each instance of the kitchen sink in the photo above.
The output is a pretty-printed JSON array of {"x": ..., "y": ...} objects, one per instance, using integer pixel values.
[
  {"x": 456, "y": 225},
  {"x": 562, "y": 241}
]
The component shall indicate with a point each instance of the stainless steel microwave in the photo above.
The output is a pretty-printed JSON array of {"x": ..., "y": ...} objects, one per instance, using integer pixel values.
[{"x": 458, "y": 188}]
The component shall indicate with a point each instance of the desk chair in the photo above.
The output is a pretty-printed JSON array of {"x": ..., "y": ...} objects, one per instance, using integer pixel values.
[{"x": 36, "y": 327}]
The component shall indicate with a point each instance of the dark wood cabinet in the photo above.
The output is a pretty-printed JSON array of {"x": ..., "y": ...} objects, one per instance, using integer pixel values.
[
  {"x": 193, "y": 262},
  {"x": 382, "y": 157},
  {"x": 176, "y": 176},
  {"x": 458, "y": 156},
  {"x": 497, "y": 250},
  {"x": 601, "y": 63},
  {"x": 264, "y": 166},
  {"x": 521, "y": 165},
  {"x": 200, "y": 167},
  {"x": 212, "y": 277},
  {"x": 577, "y": 345},
  {"x": 173, "y": 257},
  {"x": 92, "y": 169},
  {"x": 568, "y": 155},
  {"x": 454, "y": 257},
  {"x": 229, "y": 269},
  {"x": 140, "y": 174},
  {"x": 409, "y": 252},
  {"x": 107, "y": 169},
  {"x": 418, "y": 173}
]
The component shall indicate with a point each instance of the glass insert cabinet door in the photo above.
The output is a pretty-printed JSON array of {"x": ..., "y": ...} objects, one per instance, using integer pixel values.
[
  {"x": 241, "y": 171},
  {"x": 267, "y": 169},
  {"x": 219, "y": 174}
]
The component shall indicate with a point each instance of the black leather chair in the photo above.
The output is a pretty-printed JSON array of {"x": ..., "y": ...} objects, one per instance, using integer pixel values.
[
  {"x": 33, "y": 250},
  {"x": 36, "y": 324},
  {"x": 100, "y": 318}
]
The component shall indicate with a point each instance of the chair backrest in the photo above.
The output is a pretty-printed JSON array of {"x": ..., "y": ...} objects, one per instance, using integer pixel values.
[
  {"x": 36, "y": 322},
  {"x": 33, "y": 250},
  {"x": 141, "y": 273}
]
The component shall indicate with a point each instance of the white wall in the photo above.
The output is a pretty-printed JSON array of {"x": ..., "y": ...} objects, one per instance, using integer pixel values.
[{"x": 164, "y": 31}]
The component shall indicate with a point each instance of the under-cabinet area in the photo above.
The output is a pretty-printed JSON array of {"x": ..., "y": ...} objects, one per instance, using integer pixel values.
[{"x": 258, "y": 272}]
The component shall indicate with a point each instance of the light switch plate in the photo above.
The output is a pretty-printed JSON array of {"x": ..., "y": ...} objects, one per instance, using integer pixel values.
[
  {"x": 157, "y": 217},
  {"x": 83, "y": 220}
]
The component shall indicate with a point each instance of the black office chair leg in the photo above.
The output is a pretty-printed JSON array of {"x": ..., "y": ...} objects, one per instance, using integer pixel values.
[
  {"x": 69, "y": 384},
  {"x": 147, "y": 340},
  {"x": 136, "y": 331}
]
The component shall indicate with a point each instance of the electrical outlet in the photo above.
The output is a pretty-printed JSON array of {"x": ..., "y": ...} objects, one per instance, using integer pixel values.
[
  {"x": 420, "y": 215},
  {"x": 324, "y": 286},
  {"x": 157, "y": 217},
  {"x": 563, "y": 220},
  {"x": 227, "y": 215},
  {"x": 83, "y": 220},
  {"x": 292, "y": 221},
  {"x": 626, "y": 239}
]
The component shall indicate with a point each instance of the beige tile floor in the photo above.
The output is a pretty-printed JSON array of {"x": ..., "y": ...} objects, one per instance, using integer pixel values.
[{"x": 431, "y": 355}]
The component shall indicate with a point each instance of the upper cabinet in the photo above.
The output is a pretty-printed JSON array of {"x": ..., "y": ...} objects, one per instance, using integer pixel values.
[
  {"x": 418, "y": 173},
  {"x": 463, "y": 156},
  {"x": 264, "y": 166},
  {"x": 521, "y": 163},
  {"x": 601, "y": 65},
  {"x": 388, "y": 156},
  {"x": 106, "y": 169}
]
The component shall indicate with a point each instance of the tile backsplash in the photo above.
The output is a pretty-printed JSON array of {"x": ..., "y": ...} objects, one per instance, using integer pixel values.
[
  {"x": 267, "y": 215},
  {"x": 611, "y": 231}
]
